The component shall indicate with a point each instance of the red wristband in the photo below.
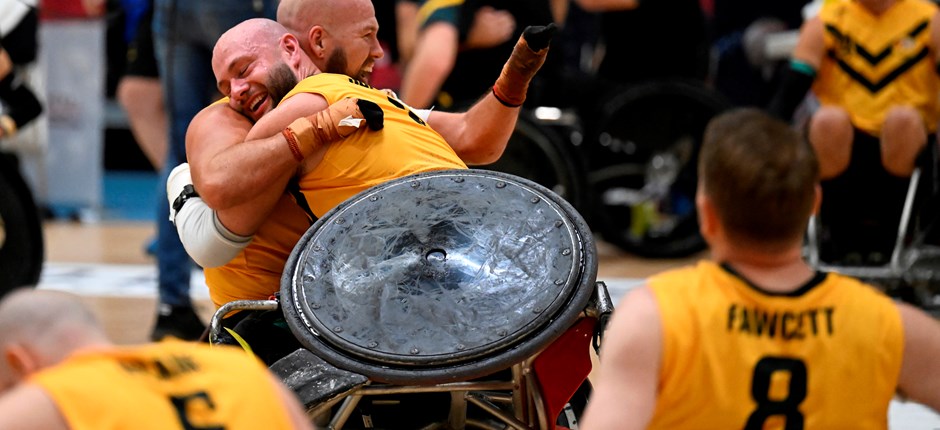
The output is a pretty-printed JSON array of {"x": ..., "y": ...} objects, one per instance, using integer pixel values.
[
  {"x": 502, "y": 100},
  {"x": 292, "y": 144}
]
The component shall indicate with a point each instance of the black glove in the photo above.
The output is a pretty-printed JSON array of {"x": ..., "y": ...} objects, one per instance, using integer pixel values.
[
  {"x": 539, "y": 36},
  {"x": 373, "y": 114}
]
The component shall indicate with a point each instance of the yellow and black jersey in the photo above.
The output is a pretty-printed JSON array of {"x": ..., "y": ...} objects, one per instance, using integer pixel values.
[
  {"x": 406, "y": 145},
  {"x": 826, "y": 356},
  {"x": 875, "y": 62},
  {"x": 255, "y": 273},
  {"x": 170, "y": 385}
]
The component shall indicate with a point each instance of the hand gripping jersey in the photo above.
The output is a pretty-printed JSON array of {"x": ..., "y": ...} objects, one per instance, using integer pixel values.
[
  {"x": 406, "y": 145},
  {"x": 826, "y": 356},
  {"x": 875, "y": 62},
  {"x": 165, "y": 386}
]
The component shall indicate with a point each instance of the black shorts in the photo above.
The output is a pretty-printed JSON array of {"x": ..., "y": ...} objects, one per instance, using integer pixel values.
[{"x": 141, "y": 57}]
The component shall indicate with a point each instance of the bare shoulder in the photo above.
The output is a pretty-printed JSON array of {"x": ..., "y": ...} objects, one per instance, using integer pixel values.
[
  {"x": 920, "y": 367},
  {"x": 635, "y": 322},
  {"x": 27, "y": 406},
  {"x": 215, "y": 126}
]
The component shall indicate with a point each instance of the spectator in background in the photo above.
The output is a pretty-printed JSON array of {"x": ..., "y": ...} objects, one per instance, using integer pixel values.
[
  {"x": 442, "y": 74},
  {"x": 184, "y": 34},
  {"x": 18, "y": 47},
  {"x": 59, "y": 371},
  {"x": 140, "y": 91}
]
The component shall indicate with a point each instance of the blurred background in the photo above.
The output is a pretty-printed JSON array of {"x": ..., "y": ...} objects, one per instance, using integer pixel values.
[{"x": 612, "y": 122}]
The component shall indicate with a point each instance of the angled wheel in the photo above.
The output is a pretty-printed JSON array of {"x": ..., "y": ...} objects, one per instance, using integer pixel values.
[
  {"x": 21, "y": 243},
  {"x": 539, "y": 154},
  {"x": 644, "y": 167}
]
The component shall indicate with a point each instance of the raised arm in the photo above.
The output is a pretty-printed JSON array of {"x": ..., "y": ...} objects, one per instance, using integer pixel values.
[
  {"x": 480, "y": 135},
  {"x": 625, "y": 390}
]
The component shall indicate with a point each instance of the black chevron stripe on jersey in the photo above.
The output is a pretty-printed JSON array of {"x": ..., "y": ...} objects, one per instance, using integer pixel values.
[
  {"x": 874, "y": 59},
  {"x": 876, "y": 86}
]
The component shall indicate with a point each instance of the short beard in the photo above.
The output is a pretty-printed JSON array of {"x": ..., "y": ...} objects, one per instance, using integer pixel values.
[
  {"x": 337, "y": 63},
  {"x": 281, "y": 80}
]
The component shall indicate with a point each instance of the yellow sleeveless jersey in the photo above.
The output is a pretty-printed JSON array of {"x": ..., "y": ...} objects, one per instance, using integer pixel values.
[
  {"x": 875, "y": 62},
  {"x": 406, "y": 145},
  {"x": 827, "y": 356},
  {"x": 170, "y": 385},
  {"x": 255, "y": 273}
]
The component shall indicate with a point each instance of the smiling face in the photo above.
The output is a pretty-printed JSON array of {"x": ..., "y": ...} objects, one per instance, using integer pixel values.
[
  {"x": 250, "y": 68},
  {"x": 340, "y": 36},
  {"x": 355, "y": 45}
]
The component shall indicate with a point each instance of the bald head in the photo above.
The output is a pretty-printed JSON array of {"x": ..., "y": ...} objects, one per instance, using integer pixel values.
[
  {"x": 29, "y": 315},
  {"x": 40, "y": 328},
  {"x": 299, "y": 15},
  {"x": 257, "y": 34},
  {"x": 340, "y": 36},
  {"x": 256, "y": 63}
]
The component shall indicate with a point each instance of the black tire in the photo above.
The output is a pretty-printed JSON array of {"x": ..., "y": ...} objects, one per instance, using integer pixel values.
[
  {"x": 574, "y": 410},
  {"x": 537, "y": 153},
  {"x": 21, "y": 241},
  {"x": 648, "y": 130}
]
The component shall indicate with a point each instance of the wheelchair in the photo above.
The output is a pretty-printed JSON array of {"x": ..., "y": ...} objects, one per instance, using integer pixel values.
[
  {"x": 895, "y": 247},
  {"x": 21, "y": 239},
  {"x": 631, "y": 171},
  {"x": 449, "y": 299}
]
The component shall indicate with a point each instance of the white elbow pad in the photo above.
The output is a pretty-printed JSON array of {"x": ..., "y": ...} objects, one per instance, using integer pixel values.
[
  {"x": 178, "y": 179},
  {"x": 206, "y": 240}
]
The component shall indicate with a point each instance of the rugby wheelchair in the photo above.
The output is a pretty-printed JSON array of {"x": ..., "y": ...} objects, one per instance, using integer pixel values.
[
  {"x": 886, "y": 237},
  {"x": 629, "y": 168},
  {"x": 21, "y": 239},
  {"x": 451, "y": 299}
]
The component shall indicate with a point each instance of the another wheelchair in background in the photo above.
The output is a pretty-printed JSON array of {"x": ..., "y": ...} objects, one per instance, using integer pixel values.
[
  {"x": 21, "y": 239},
  {"x": 900, "y": 255},
  {"x": 632, "y": 170}
]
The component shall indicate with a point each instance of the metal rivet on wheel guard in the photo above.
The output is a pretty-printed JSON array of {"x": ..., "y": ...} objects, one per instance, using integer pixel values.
[{"x": 436, "y": 270}]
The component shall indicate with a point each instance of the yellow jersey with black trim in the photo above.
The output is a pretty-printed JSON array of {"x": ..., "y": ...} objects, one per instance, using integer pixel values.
[
  {"x": 405, "y": 146},
  {"x": 826, "y": 356},
  {"x": 874, "y": 62},
  {"x": 255, "y": 273},
  {"x": 170, "y": 385}
]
